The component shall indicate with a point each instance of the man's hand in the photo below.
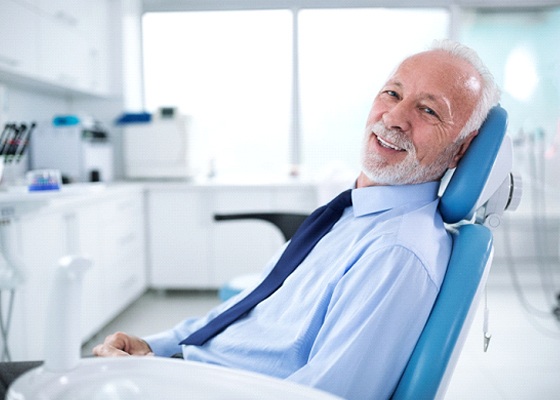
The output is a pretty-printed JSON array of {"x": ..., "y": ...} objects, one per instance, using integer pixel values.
[{"x": 120, "y": 344}]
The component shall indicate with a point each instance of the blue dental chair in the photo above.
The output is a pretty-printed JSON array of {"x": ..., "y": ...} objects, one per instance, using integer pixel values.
[
  {"x": 473, "y": 200},
  {"x": 480, "y": 190}
]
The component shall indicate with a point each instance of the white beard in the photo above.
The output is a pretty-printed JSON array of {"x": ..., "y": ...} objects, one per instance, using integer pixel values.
[{"x": 409, "y": 170}]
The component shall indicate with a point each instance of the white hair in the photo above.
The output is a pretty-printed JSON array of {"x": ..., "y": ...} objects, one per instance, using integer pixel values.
[{"x": 490, "y": 95}]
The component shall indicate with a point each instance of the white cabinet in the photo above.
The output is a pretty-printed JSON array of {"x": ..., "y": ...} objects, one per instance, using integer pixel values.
[
  {"x": 179, "y": 231},
  {"x": 108, "y": 228},
  {"x": 18, "y": 39},
  {"x": 63, "y": 54},
  {"x": 73, "y": 44},
  {"x": 188, "y": 249},
  {"x": 98, "y": 32},
  {"x": 123, "y": 252},
  {"x": 82, "y": 230},
  {"x": 61, "y": 44},
  {"x": 41, "y": 242}
]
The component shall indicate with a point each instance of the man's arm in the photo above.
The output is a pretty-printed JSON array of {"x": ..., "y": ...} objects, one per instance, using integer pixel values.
[{"x": 166, "y": 343}]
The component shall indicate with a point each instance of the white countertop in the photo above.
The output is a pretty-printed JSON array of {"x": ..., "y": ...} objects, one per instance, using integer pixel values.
[
  {"x": 233, "y": 181},
  {"x": 17, "y": 200}
]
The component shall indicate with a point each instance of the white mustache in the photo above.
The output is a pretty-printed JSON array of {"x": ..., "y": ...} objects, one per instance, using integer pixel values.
[{"x": 392, "y": 136}]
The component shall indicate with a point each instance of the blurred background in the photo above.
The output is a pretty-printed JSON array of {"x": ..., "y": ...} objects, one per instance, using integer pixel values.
[{"x": 279, "y": 91}]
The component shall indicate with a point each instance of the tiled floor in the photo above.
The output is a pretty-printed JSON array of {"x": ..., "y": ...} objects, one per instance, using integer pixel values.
[{"x": 522, "y": 362}]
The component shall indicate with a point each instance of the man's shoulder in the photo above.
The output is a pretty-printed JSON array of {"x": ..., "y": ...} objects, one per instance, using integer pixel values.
[{"x": 422, "y": 233}]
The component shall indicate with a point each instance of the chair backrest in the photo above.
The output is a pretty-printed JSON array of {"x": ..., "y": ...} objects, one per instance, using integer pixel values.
[{"x": 429, "y": 369}]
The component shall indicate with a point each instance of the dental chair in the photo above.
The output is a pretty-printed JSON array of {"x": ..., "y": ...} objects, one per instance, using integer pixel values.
[
  {"x": 472, "y": 202},
  {"x": 473, "y": 199}
]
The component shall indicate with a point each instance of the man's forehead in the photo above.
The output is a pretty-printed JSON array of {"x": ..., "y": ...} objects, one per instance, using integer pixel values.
[{"x": 437, "y": 74}]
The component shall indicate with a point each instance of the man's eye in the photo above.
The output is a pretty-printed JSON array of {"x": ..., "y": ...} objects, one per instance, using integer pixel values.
[
  {"x": 392, "y": 93},
  {"x": 429, "y": 111}
]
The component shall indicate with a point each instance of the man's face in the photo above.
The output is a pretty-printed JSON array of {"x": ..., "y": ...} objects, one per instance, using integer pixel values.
[{"x": 416, "y": 118}]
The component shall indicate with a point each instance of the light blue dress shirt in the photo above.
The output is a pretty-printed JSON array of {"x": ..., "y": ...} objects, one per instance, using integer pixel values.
[{"x": 347, "y": 319}]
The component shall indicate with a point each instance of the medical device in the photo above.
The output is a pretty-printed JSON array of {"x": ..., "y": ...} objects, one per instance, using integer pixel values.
[
  {"x": 79, "y": 149},
  {"x": 157, "y": 148}
]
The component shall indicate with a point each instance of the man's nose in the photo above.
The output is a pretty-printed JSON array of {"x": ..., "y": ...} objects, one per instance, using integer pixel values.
[{"x": 398, "y": 117}]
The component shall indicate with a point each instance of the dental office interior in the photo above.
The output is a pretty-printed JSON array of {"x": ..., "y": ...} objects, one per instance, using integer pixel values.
[{"x": 141, "y": 120}]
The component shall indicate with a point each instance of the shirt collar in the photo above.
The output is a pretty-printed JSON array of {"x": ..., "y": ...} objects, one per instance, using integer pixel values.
[{"x": 373, "y": 199}]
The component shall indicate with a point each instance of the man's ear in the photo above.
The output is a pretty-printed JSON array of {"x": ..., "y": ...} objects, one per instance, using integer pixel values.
[{"x": 463, "y": 149}]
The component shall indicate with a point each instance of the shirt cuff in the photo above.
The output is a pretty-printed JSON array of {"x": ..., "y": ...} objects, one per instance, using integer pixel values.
[{"x": 164, "y": 344}]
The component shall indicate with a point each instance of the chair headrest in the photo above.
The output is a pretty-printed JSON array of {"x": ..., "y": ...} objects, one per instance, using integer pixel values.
[{"x": 478, "y": 174}]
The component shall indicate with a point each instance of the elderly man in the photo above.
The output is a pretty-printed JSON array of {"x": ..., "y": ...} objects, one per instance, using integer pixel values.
[{"x": 348, "y": 317}]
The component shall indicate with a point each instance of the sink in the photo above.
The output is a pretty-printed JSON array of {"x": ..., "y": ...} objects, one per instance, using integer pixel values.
[
  {"x": 66, "y": 376},
  {"x": 154, "y": 378}
]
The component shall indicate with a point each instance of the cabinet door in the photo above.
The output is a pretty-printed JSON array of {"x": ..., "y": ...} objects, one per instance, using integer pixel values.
[
  {"x": 123, "y": 255},
  {"x": 179, "y": 223},
  {"x": 74, "y": 44},
  {"x": 74, "y": 13},
  {"x": 61, "y": 43},
  {"x": 84, "y": 238},
  {"x": 18, "y": 41},
  {"x": 96, "y": 27},
  {"x": 64, "y": 55}
]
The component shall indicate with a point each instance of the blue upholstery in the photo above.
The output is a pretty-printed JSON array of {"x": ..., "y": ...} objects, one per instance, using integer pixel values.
[
  {"x": 429, "y": 369},
  {"x": 462, "y": 192}
]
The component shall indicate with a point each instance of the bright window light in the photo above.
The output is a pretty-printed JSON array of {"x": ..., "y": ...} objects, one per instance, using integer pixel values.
[
  {"x": 232, "y": 73},
  {"x": 345, "y": 57},
  {"x": 520, "y": 73}
]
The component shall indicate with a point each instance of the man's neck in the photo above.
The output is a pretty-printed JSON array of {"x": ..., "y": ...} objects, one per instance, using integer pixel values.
[{"x": 364, "y": 181}]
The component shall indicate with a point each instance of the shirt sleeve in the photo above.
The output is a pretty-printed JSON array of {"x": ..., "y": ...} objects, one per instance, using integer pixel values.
[
  {"x": 166, "y": 343},
  {"x": 371, "y": 326}
]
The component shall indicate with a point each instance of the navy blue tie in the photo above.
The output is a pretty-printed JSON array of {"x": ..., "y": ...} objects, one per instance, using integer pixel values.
[{"x": 306, "y": 237}]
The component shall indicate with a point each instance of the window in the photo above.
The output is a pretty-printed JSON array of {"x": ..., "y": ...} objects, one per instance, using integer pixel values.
[
  {"x": 231, "y": 71},
  {"x": 346, "y": 55}
]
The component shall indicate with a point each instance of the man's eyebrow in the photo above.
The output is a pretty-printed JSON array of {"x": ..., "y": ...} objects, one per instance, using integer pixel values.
[
  {"x": 395, "y": 83},
  {"x": 433, "y": 97},
  {"x": 439, "y": 100}
]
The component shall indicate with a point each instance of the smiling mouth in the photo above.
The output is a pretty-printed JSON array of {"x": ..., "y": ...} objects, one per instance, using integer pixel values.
[{"x": 388, "y": 145}]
